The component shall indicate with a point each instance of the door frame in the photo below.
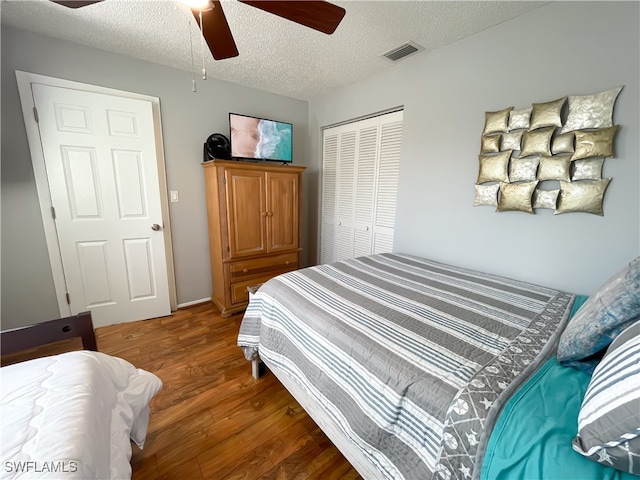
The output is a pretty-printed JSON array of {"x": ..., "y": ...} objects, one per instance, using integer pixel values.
[{"x": 25, "y": 79}]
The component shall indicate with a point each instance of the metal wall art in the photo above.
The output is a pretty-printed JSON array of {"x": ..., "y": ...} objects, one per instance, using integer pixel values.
[{"x": 549, "y": 155}]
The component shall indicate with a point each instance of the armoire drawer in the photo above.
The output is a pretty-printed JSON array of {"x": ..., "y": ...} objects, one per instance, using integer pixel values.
[
  {"x": 262, "y": 267},
  {"x": 239, "y": 293}
]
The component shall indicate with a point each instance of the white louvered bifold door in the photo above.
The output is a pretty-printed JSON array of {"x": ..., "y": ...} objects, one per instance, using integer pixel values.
[
  {"x": 329, "y": 187},
  {"x": 359, "y": 187},
  {"x": 387, "y": 182},
  {"x": 365, "y": 183},
  {"x": 346, "y": 192}
]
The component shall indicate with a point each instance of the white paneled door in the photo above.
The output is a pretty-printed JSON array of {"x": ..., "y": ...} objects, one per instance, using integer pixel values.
[{"x": 101, "y": 165}]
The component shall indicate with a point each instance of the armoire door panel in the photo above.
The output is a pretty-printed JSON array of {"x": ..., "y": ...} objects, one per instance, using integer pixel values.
[
  {"x": 282, "y": 211},
  {"x": 247, "y": 212}
]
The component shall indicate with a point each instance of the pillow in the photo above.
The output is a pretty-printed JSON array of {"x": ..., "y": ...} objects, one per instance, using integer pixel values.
[
  {"x": 587, "y": 169},
  {"x": 486, "y": 195},
  {"x": 554, "y": 168},
  {"x": 609, "y": 418},
  {"x": 494, "y": 168},
  {"x": 614, "y": 307},
  {"x": 537, "y": 142},
  {"x": 490, "y": 144},
  {"x": 586, "y": 196},
  {"x": 591, "y": 111},
  {"x": 547, "y": 114},
  {"x": 545, "y": 198},
  {"x": 496, "y": 122},
  {"x": 511, "y": 141},
  {"x": 519, "y": 119},
  {"x": 563, "y": 143},
  {"x": 516, "y": 197},
  {"x": 523, "y": 169},
  {"x": 596, "y": 143}
]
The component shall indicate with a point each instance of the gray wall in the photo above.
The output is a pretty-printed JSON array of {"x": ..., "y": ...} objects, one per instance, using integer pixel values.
[
  {"x": 560, "y": 49},
  {"x": 188, "y": 118}
]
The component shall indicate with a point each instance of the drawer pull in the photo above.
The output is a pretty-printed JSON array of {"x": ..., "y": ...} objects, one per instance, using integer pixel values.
[
  {"x": 287, "y": 262},
  {"x": 246, "y": 270}
]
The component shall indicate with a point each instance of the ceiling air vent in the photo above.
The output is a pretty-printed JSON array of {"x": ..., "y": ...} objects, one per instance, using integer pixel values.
[{"x": 402, "y": 51}]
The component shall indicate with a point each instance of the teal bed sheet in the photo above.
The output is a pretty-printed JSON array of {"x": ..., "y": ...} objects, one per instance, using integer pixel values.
[{"x": 532, "y": 437}]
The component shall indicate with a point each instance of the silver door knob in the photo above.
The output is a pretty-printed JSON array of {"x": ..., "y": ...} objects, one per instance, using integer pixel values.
[{"x": 155, "y": 227}]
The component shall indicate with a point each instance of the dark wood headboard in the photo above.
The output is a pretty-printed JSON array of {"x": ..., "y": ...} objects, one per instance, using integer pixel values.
[{"x": 52, "y": 331}]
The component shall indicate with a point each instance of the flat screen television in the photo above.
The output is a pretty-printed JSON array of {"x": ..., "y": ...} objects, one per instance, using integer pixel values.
[{"x": 260, "y": 139}]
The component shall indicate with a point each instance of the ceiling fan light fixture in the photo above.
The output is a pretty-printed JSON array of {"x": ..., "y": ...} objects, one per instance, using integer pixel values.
[{"x": 197, "y": 4}]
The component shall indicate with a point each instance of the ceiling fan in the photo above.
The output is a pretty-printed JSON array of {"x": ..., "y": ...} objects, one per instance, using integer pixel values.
[{"x": 316, "y": 14}]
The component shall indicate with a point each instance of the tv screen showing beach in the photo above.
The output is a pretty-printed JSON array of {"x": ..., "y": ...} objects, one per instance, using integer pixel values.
[{"x": 259, "y": 138}]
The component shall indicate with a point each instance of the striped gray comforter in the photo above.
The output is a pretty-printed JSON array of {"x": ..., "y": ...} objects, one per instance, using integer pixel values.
[{"x": 412, "y": 358}]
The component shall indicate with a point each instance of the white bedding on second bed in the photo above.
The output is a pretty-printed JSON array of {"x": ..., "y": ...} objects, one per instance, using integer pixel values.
[{"x": 73, "y": 415}]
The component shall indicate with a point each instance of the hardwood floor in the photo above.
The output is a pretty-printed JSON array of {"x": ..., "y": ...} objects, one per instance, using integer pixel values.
[{"x": 212, "y": 419}]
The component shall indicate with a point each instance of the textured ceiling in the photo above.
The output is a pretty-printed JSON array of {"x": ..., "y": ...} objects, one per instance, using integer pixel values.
[{"x": 275, "y": 55}]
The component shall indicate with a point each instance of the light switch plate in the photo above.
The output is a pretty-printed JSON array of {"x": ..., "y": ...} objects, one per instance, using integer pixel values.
[{"x": 175, "y": 198}]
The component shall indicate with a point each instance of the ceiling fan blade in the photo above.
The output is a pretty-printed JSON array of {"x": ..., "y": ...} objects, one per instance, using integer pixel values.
[
  {"x": 216, "y": 31},
  {"x": 319, "y": 15},
  {"x": 75, "y": 3}
]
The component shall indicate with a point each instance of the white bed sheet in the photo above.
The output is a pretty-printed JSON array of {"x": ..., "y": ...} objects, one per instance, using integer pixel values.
[{"x": 72, "y": 416}]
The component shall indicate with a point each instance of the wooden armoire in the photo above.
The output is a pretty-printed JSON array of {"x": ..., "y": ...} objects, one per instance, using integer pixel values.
[{"x": 253, "y": 211}]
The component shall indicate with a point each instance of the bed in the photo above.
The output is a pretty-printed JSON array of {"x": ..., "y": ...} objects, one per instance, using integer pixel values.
[
  {"x": 407, "y": 365},
  {"x": 71, "y": 415}
]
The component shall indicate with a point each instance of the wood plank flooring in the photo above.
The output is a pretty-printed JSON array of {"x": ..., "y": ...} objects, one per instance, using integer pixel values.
[{"x": 212, "y": 419}]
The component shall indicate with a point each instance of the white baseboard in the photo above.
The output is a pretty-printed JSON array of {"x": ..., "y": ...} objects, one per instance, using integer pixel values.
[{"x": 194, "y": 302}]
